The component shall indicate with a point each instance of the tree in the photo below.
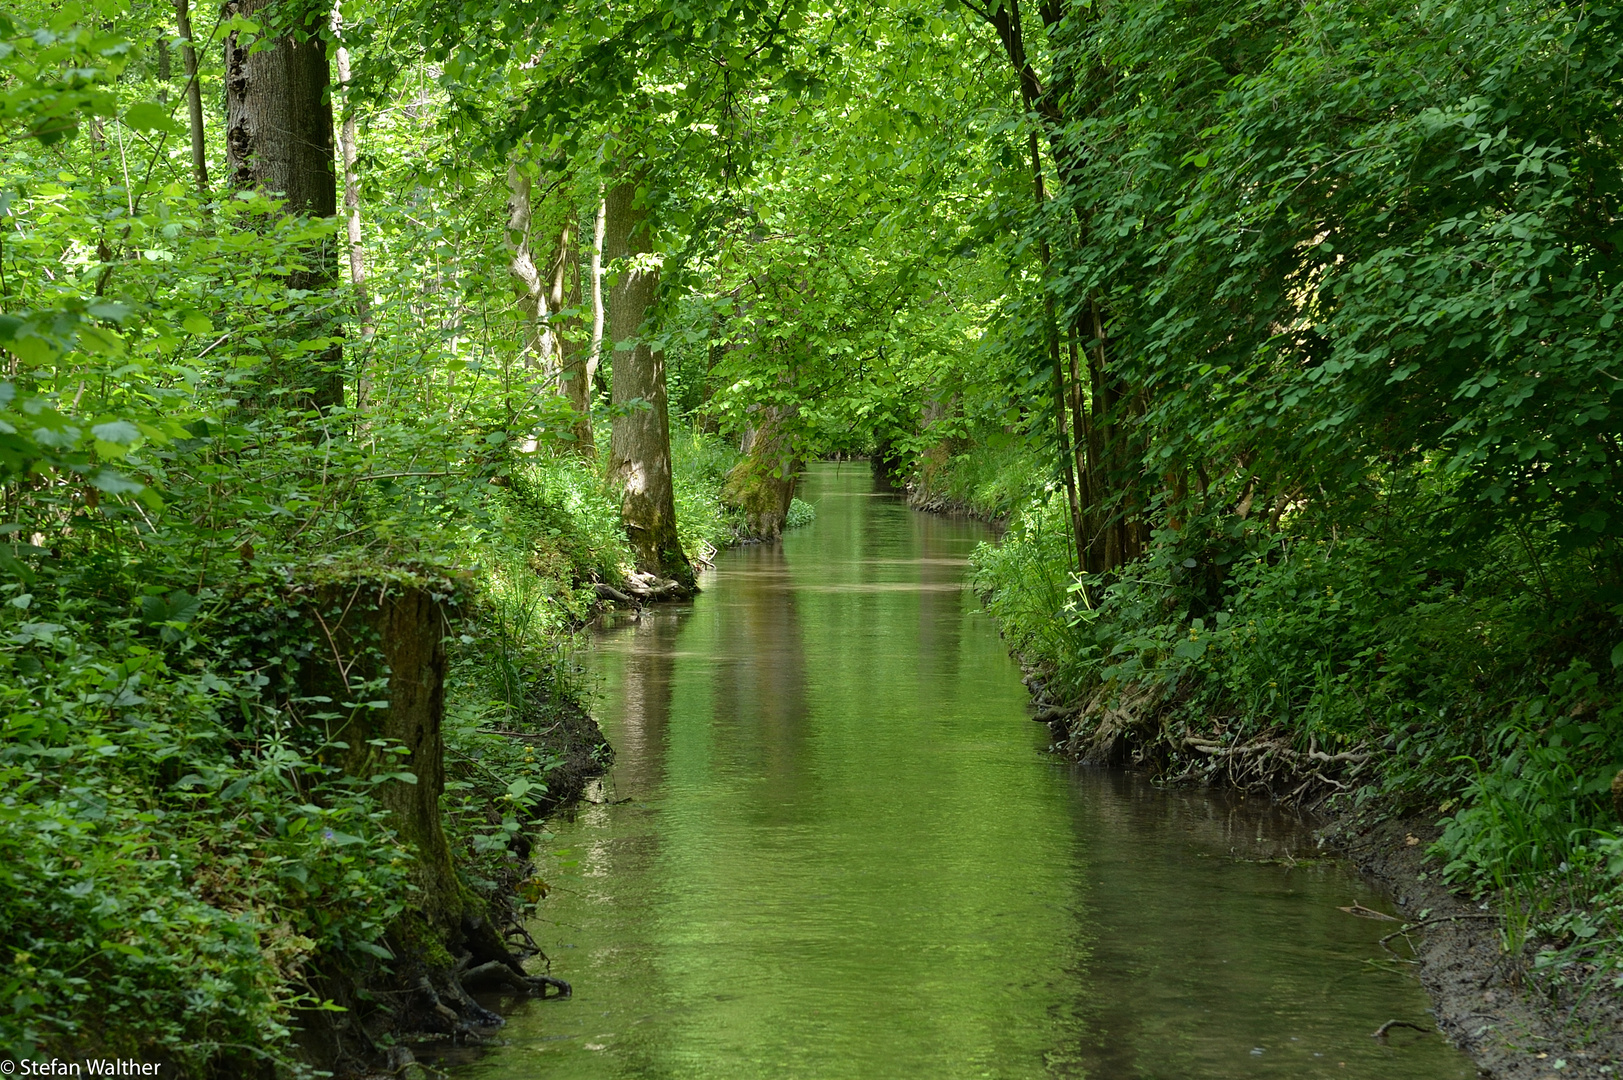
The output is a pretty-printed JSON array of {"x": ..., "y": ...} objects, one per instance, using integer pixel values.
[
  {"x": 194, "y": 96},
  {"x": 640, "y": 443},
  {"x": 279, "y": 138}
]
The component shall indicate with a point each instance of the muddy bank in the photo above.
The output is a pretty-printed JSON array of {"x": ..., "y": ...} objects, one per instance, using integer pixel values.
[
  {"x": 1484, "y": 1000},
  {"x": 934, "y": 503}
]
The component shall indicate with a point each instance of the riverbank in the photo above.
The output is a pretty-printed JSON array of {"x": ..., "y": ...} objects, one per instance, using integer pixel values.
[
  {"x": 319, "y": 767},
  {"x": 1290, "y": 665},
  {"x": 1484, "y": 1000}
]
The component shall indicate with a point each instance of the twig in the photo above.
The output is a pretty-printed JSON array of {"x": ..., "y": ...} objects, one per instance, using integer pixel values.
[
  {"x": 216, "y": 345},
  {"x": 1437, "y": 919},
  {"x": 343, "y": 672},
  {"x": 1380, "y": 1032}
]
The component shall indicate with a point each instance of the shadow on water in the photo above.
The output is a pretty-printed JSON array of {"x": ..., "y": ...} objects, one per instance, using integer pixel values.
[{"x": 845, "y": 854}]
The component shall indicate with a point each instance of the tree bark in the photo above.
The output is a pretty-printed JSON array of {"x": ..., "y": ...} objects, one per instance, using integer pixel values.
[
  {"x": 541, "y": 299},
  {"x": 279, "y": 138},
  {"x": 194, "y": 95},
  {"x": 640, "y": 443},
  {"x": 352, "y": 212},
  {"x": 537, "y": 342},
  {"x": 161, "y": 54}
]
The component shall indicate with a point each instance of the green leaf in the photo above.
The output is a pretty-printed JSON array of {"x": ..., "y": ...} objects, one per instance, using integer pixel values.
[
  {"x": 150, "y": 116},
  {"x": 121, "y": 432},
  {"x": 110, "y": 310},
  {"x": 115, "y": 483}
]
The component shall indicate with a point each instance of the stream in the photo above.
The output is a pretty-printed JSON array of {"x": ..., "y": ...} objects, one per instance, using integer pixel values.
[{"x": 832, "y": 846}]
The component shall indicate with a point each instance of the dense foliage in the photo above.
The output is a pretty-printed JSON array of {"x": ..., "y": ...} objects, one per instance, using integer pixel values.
[{"x": 1285, "y": 336}]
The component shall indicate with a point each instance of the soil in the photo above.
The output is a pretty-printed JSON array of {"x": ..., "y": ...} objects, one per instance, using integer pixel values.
[
  {"x": 585, "y": 753},
  {"x": 1514, "y": 1028}
]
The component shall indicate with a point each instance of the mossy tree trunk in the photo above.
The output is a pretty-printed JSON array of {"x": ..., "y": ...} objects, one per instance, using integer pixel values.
[
  {"x": 762, "y": 484},
  {"x": 933, "y": 422},
  {"x": 381, "y": 641},
  {"x": 379, "y": 657}
]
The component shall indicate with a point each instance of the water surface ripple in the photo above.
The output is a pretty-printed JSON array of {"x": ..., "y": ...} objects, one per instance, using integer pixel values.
[{"x": 844, "y": 855}]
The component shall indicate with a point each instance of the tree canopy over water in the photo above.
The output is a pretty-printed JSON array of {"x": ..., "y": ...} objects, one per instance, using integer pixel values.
[{"x": 1285, "y": 335}]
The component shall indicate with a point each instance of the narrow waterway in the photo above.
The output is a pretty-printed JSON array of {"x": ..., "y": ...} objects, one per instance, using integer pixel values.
[{"x": 832, "y": 847}]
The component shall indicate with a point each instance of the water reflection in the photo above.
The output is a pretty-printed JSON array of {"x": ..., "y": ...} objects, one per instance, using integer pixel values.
[{"x": 844, "y": 855}]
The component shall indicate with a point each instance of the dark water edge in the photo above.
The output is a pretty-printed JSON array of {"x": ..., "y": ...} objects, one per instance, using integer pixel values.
[{"x": 845, "y": 854}]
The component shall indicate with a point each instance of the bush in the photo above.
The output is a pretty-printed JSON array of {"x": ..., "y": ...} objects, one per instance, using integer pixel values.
[{"x": 800, "y": 513}]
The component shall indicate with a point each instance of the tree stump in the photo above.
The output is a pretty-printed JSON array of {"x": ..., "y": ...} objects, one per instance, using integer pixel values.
[{"x": 378, "y": 642}]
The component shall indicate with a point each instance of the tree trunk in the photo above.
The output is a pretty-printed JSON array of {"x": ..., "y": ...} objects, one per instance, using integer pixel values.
[
  {"x": 640, "y": 443},
  {"x": 352, "y": 187},
  {"x": 938, "y": 455},
  {"x": 279, "y": 138},
  {"x": 161, "y": 54},
  {"x": 1051, "y": 333},
  {"x": 541, "y": 297},
  {"x": 366, "y": 629},
  {"x": 537, "y": 348},
  {"x": 573, "y": 381},
  {"x": 595, "y": 356},
  {"x": 762, "y": 484},
  {"x": 194, "y": 95},
  {"x": 352, "y": 212}
]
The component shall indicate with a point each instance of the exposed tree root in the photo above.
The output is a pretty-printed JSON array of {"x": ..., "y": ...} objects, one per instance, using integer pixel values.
[
  {"x": 640, "y": 587},
  {"x": 496, "y": 974},
  {"x": 1137, "y": 724}
]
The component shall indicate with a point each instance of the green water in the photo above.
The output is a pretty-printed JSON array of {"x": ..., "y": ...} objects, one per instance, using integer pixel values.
[{"x": 844, "y": 854}]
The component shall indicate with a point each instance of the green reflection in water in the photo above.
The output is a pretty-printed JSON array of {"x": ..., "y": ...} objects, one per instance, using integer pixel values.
[{"x": 845, "y": 856}]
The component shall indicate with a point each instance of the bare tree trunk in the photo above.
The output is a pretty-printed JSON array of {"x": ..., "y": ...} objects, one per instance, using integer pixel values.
[
  {"x": 352, "y": 211},
  {"x": 595, "y": 356},
  {"x": 352, "y": 187},
  {"x": 541, "y": 299},
  {"x": 194, "y": 95},
  {"x": 537, "y": 348},
  {"x": 279, "y": 137},
  {"x": 640, "y": 446}
]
